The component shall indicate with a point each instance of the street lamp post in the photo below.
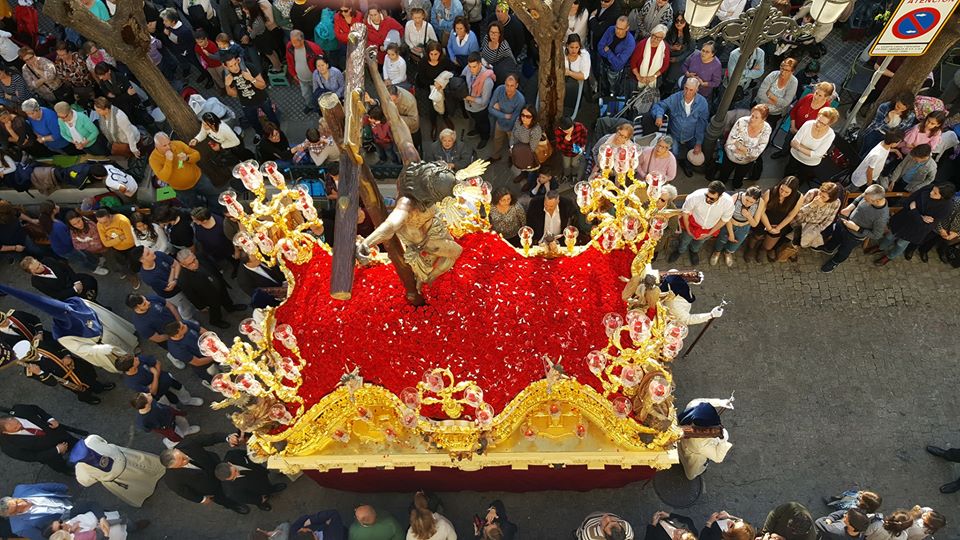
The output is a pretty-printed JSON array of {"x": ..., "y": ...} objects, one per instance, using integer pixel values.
[{"x": 754, "y": 27}]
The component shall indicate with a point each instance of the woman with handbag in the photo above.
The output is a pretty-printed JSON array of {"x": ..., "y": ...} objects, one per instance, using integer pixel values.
[
  {"x": 121, "y": 134},
  {"x": 818, "y": 211},
  {"x": 524, "y": 142}
]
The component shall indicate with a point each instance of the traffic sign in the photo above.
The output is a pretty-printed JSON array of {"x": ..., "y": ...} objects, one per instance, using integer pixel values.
[{"x": 913, "y": 27}]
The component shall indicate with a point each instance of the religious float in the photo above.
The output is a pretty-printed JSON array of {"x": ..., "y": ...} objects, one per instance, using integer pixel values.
[{"x": 496, "y": 366}]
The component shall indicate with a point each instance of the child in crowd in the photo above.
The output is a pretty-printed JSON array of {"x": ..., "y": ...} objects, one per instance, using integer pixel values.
[
  {"x": 382, "y": 137},
  {"x": 228, "y": 49},
  {"x": 315, "y": 149},
  {"x": 207, "y": 52},
  {"x": 169, "y": 422},
  {"x": 395, "y": 67}
]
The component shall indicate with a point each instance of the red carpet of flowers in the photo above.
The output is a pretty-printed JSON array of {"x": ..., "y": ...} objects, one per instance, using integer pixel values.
[{"x": 490, "y": 319}]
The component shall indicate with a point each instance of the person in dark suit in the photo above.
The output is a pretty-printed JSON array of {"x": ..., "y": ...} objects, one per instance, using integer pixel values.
[
  {"x": 53, "y": 366},
  {"x": 265, "y": 285},
  {"x": 327, "y": 522},
  {"x": 549, "y": 215},
  {"x": 666, "y": 526},
  {"x": 201, "y": 281},
  {"x": 29, "y": 433},
  {"x": 56, "y": 279},
  {"x": 245, "y": 481},
  {"x": 17, "y": 326},
  {"x": 191, "y": 472}
]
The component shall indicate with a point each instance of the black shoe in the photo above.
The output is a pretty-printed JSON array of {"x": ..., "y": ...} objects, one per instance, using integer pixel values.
[
  {"x": 924, "y": 256},
  {"x": 937, "y": 451},
  {"x": 687, "y": 169},
  {"x": 694, "y": 258},
  {"x": 307, "y": 110},
  {"x": 482, "y": 145},
  {"x": 105, "y": 387},
  {"x": 90, "y": 400},
  {"x": 241, "y": 509},
  {"x": 778, "y": 154},
  {"x": 952, "y": 487},
  {"x": 277, "y": 488},
  {"x": 828, "y": 267},
  {"x": 942, "y": 255},
  {"x": 139, "y": 525},
  {"x": 235, "y": 307},
  {"x": 265, "y": 506},
  {"x": 473, "y": 133},
  {"x": 908, "y": 255},
  {"x": 822, "y": 249},
  {"x": 673, "y": 256},
  {"x": 220, "y": 324}
]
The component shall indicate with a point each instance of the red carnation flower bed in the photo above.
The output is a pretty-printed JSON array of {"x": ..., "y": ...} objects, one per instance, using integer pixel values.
[{"x": 490, "y": 319}]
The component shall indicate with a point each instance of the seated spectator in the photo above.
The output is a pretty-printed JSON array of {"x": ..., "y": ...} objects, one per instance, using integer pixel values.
[
  {"x": 790, "y": 520},
  {"x": 78, "y": 129},
  {"x": 748, "y": 209},
  {"x": 426, "y": 524},
  {"x": 175, "y": 163},
  {"x": 705, "y": 212},
  {"x": 373, "y": 525},
  {"x": 149, "y": 234},
  {"x": 220, "y": 133},
  {"x": 158, "y": 270},
  {"x": 864, "y": 219},
  {"x": 666, "y": 526},
  {"x": 871, "y": 166},
  {"x": 41, "y": 76},
  {"x": 60, "y": 241},
  {"x": 894, "y": 114},
  {"x": 927, "y": 521},
  {"x": 56, "y": 279},
  {"x": 274, "y": 146},
  {"x": 615, "y": 48},
  {"x": 704, "y": 66},
  {"x": 659, "y": 159},
  {"x": 745, "y": 144},
  {"x": 842, "y": 525},
  {"x": 754, "y": 69},
  {"x": 570, "y": 138},
  {"x": 316, "y": 149},
  {"x": 122, "y": 136},
  {"x": 920, "y": 213},
  {"x": 449, "y": 150},
  {"x": 480, "y": 82},
  {"x": 782, "y": 202},
  {"x": 380, "y": 25},
  {"x": 116, "y": 234},
  {"x": 524, "y": 139},
  {"x": 116, "y": 180},
  {"x": 94, "y": 56},
  {"x": 327, "y": 78},
  {"x": 928, "y": 131},
  {"x": 916, "y": 171},
  {"x": 417, "y": 33},
  {"x": 818, "y": 211},
  {"x": 245, "y": 481},
  {"x": 778, "y": 90},
  {"x": 394, "y": 67},
  {"x": 493, "y": 522},
  {"x": 13, "y": 239},
  {"x": 183, "y": 339},
  {"x": 506, "y": 216},
  {"x": 576, "y": 71},
  {"x": 810, "y": 145},
  {"x": 205, "y": 287},
  {"x": 893, "y": 526},
  {"x": 686, "y": 128},
  {"x": 549, "y": 215},
  {"x": 651, "y": 59},
  {"x": 144, "y": 374},
  {"x": 207, "y": 54},
  {"x": 944, "y": 234},
  {"x": 301, "y": 56},
  {"x": 14, "y": 127},
  {"x": 166, "y": 420},
  {"x": 46, "y": 128},
  {"x": 13, "y": 88},
  {"x": 723, "y": 526},
  {"x": 382, "y": 137},
  {"x": 604, "y": 526},
  {"x": 462, "y": 43}
]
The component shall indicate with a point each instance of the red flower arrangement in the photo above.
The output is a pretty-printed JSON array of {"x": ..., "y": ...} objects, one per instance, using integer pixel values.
[{"x": 491, "y": 319}]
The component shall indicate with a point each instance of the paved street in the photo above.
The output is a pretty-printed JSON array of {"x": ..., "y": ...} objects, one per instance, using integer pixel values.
[{"x": 840, "y": 380}]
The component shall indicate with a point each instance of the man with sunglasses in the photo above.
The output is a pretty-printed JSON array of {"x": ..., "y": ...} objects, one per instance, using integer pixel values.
[{"x": 705, "y": 212}]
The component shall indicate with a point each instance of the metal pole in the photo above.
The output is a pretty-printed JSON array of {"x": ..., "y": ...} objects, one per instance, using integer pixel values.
[
  {"x": 747, "y": 46},
  {"x": 852, "y": 115}
]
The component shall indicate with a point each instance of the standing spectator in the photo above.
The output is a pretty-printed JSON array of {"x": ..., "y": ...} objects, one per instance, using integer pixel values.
[
  {"x": 621, "y": 137},
  {"x": 505, "y": 106},
  {"x": 748, "y": 209},
  {"x": 601, "y": 19},
  {"x": 576, "y": 71},
  {"x": 175, "y": 163},
  {"x": 494, "y": 521},
  {"x": 705, "y": 67},
  {"x": 524, "y": 139},
  {"x": 426, "y": 524},
  {"x": 944, "y": 234},
  {"x": 805, "y": 110},
  {"x": 604, "y": 525},
  {"x": 245, "y": 481},
  {"x": 549, "y": 215},
  {"x": 665, "y": 526},
  {"x": 514, "y": 32},
  {"x": 373, "y": 525},
  {"x": 35, "y": 506},
  {"x": 652, "y": 14},
  {"x": 895, "y": 114},
  {"x": 149, "y": 234},
  {"x": 73, "y": 72},
  {"x": 301, "y": 62},
  {"x": 681, "y": 45},
  {"x": 382, "y": 136},
  {"x": 85, "y": 237},
  {"x": 494, "y": 49},
  {"x": 248, "y": 86},
  {"x": 745, "y": 144},
  {"x": 120, "y": 90},
  {"x": 928, "y": 131},
  {"x": 778, "y": 90},
  {"x": 159, "y": 270},
  {"x": 46, "y": 127},
  {"x": 723, "y": 526},
  {"x": 259, "y": 281},
  {"x": 116, "y": 234},
  {"x": 18, "y": 134},
  {"x": 920, "y": 214},
  {"x": 754, "y": 68},
  {"x": 571, "y": 141},
  {"x": 916, "y": 171},
  {"x": 651, "y": 59},
  {"x": 449, "y": 150},
  {"x": 927, "y": 522},
  {"x": 122, "y": 136},
  {"x": 79, "y": 130},
  {"x": 892, "y": 526},
  {"x": 41, "y": 76},
  {"x": 183, "y": 339},
  {"x": 32, "y": 435},
  {"x": 178, "y": 226},
  {"x": 417, "y": 33},
  {"x": 730, "y": 9},
  {"x": 480, "y": 81},
  {"x": 705, "y": 212},
  {"x": 462, "y": 43},
  {"x": 792, "y": 521},
  {"x": 342, "y": 22},
  {"x": 615, "y": 49},
  {"x": 213, "y": 234},
  {"x": 430, "y": 73},
  {"x": 872, "y": 165},
  {"x": 394, "y": 67},
  {"x": 305, "y": 16},
  {"x": 842, "y": 525},
  {"x": 659, "y": 159},
  {"x": 263, "y": 30},
  {"x": 864, "y": 219},
  {"x": 811, "y": 143},
  {"x": 443, "y": 14},
  {"x": 190, "y": 472},
  {"x": 94, "y": 56},
  {"x": 207, "y": 54},
  {"x": 506, "y": 216},
  {"x": 327, "y": 78},
  {"x": 56, "y": 279},
  {"x": 379, "y": 27},
  {"x": 577, "y": 21},
  {"x": 689, "y": 114},
  {"x": 180, "y": 42},
  {"x": 205, "y": 287}
]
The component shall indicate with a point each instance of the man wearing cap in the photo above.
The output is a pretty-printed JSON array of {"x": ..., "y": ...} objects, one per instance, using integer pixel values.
[{"x": 689, "y": 115}]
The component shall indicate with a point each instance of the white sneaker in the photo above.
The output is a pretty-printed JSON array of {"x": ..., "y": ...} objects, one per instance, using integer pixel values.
[
  {"x": 100, "y": 271},
  {"x": 715, "y": 258},
  {"x": 728, "y": 258},
  {"x": 176, "y": 363},
  {"x": 192, "y": 429},
  {"x": 168, "y": 443},
  {"x": 195, "y": 401}
]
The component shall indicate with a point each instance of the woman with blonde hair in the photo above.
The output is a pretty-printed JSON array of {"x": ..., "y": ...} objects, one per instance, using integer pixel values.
[
  {"x": 805, "y": 110},
  {"x": 811, "y": 143},
  {"x": 427, "y": 525}
]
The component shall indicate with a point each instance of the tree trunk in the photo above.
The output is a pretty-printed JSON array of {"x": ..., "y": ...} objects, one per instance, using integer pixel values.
[
  {"x": 126, "y": 38},
  {"x": 914, "y": 70}
]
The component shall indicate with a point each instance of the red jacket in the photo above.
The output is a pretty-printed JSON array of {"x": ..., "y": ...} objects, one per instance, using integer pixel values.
[
  {"x": 341, "y": 28},
  {"x": 637, "y": 57},
  {"x": 313, "y": 51},
  {"x": 376, "y": 37}
]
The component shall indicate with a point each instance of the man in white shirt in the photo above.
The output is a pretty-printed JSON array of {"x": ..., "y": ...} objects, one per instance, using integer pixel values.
[
  {"x": 730, "y": 9},
  {"x": 116, "y": 180},
  {"x": 872, "y": 165},
  {"x": 705, "y": 212}
]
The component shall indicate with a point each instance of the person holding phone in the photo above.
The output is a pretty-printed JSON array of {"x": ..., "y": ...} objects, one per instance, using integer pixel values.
[
  {"x": 666, "y": 526},
  {"x": 494, "y": 521},
  {"x": 723, "y": 526}
]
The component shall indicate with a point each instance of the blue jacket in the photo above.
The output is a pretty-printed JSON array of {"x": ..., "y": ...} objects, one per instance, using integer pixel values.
[
  {"x": 442, "y": 19},
  {"x": 455, "y": 51},
  {"x": 31, "y": 525},
  {"x": 684, "y": 128},
  {"x": 48, "y": 124},
  {"x": 618, "y": 57},
  {"x": 507, "y": 106}
]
